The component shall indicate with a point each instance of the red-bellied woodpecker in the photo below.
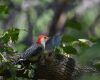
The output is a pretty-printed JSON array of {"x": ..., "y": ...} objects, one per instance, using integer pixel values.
[
  {"x": 43, "y": 43},
  {"x": 34, "y": 49}
]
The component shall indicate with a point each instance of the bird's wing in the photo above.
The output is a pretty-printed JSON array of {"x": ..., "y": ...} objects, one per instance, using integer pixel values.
[{"x": 33, "y": 50}]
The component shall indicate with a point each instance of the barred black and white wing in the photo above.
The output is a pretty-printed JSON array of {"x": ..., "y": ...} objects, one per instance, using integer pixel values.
[{"x": 31, "y": 51}]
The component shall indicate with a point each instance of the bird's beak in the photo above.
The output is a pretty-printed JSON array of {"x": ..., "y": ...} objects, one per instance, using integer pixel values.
[{"x": 46, "y": 38}]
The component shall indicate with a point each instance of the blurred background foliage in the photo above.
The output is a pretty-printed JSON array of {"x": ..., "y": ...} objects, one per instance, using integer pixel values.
[{"x": 29, "y": 18}]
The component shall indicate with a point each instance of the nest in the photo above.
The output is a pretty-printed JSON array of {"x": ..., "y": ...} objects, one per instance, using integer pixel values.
[{"x": 55, "y": 67}]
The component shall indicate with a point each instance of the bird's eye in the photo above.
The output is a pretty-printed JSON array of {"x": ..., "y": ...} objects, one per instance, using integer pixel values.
[{"x": 45, "y": 37}]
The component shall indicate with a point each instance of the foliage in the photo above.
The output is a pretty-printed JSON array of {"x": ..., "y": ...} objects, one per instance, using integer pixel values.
[
  {"x": 81, "y": 39},
  {"x": 7, "y": 51}
]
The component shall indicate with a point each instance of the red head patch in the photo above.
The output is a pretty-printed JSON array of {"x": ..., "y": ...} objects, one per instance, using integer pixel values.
[{"x": 41, "y": 38}]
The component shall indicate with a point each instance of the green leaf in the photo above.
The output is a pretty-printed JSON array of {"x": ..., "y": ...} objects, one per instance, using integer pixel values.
[
  {"x": 31, "y": 73},
  {"x": 70, "y": 50},
  {"x": 5, "y": 38},
  {"x": 57, "y": 50},
  {"x": 85, "y": 43},
  {"x": 11, "y": 33}
]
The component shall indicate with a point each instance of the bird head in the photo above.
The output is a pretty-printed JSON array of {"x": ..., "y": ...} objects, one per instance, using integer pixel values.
[{"x": 42, "y": 39}]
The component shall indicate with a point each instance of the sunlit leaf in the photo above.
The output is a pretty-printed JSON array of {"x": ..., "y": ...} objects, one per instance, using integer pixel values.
[{"x": 85, "y": 43}]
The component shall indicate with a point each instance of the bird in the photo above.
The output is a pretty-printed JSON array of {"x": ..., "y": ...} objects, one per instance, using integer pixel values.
[
  {"x": 43, "y": 43},
  {"x": 33, "y": 50}
]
